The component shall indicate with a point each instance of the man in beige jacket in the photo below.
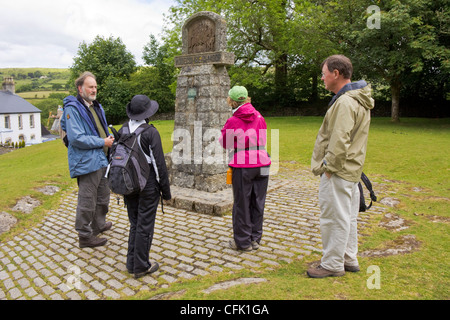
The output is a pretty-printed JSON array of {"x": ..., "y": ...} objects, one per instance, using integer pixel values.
[{"x": 338, "y": 157}]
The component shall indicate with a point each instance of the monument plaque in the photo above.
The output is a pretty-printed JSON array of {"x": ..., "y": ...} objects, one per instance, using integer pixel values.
[
  {"x": 204, "y": 41},
  {"x": 197, "y": 161},
  {"x": 202, "y": 37}
]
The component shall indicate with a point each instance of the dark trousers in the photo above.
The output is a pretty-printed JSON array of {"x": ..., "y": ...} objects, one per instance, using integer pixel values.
[
  {"x": 249, "y": 191},
  {"x": 93, "y": 203},
  {"x": 141, "y": 209}
]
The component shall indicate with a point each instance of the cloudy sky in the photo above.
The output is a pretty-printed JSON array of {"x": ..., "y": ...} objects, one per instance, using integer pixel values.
[{"x": 47, "y": 33}]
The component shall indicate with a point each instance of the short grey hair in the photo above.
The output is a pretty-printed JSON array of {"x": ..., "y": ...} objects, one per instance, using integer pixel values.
[{"x": 80, "y": 81}]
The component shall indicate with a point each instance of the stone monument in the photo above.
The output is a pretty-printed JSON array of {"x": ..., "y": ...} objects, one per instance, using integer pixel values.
[
  {"x": 197, "y": 164},
  {"x": 201, "y": 110}
]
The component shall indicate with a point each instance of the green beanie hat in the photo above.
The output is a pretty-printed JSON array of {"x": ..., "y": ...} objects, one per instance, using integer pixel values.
[{"x": 238, "y": 93}]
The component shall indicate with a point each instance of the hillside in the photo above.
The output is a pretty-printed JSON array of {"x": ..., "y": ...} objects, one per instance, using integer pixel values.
[
  {"x": 42, "y": 87},
  {"x": 37, "y": 79}
]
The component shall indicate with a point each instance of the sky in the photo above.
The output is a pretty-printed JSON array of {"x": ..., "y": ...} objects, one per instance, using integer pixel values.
[{"x": 47, "y": 33}]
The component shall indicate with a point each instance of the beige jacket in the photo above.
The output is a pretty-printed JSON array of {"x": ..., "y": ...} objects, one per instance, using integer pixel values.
[{"x": 341, "y": 143}]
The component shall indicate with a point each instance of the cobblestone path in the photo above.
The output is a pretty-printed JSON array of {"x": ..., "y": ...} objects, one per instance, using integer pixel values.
[{"x": 45, "y": 262}]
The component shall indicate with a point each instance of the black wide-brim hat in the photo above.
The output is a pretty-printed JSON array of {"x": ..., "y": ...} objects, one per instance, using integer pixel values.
[{"x": 141, "y": 107}]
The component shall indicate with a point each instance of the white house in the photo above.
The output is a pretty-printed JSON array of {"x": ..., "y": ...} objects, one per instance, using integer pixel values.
[{"x": 19, "y": 119}]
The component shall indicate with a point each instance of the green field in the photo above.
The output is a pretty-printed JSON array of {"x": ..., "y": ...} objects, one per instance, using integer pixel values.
[
  {"x": 37, "y": 83},
  {"x": 33, "y": 95},
  {"x": 408, "y": 159}
]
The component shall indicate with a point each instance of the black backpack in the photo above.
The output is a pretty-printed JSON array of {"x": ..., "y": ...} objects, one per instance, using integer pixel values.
[
  {"x": 362, "y": 201},
  {"x": 128, "y": 169}
]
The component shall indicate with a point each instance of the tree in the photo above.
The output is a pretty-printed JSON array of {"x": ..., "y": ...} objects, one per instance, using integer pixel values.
[
  {"x": 38, "y": 74},
  {"x": 105, "y": 58},
  {"x": 405, "y": 43},
  {"x": 158, "y": 78},
  {"x": 259, "y": 33},
  {"x": 280, "y": 44},
  {"x": 111, "y": 63},
  {"x": 56, "y": 86},
  {"x": 315, "y": 40},
  {"x": 115, "y": 95}
]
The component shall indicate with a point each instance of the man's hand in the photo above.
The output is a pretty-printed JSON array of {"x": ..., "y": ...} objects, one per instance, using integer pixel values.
[
  {"x": 109, "y": 141},
  {"x": 328, "y": 174}
]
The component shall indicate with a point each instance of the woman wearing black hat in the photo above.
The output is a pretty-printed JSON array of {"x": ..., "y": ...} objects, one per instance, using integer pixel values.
[{"x": 142, "y": 206}]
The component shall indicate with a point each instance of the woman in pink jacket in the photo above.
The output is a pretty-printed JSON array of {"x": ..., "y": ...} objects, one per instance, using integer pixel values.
[{"x": 244, "y": 135}]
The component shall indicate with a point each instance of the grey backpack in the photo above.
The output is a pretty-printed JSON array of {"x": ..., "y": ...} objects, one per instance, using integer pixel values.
[{"x": 128, "y": 169}]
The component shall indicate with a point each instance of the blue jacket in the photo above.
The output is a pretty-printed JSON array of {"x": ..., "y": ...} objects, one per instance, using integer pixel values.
[{"x": 85, "y": 151}]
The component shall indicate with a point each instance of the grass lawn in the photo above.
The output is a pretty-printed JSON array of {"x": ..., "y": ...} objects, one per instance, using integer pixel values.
[
  {"x": 408, "y": 160},
  {"x": 25, "y": 170}
]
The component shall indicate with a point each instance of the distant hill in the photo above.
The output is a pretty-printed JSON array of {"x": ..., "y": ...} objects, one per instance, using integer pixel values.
[
  {"x": 10, "y": 71},
  {"x": 44, "y": 88},
  {"x": 37, "y": 79}
]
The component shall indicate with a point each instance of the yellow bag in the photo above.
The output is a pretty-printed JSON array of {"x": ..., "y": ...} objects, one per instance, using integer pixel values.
[{"x": 229, "y": 175}]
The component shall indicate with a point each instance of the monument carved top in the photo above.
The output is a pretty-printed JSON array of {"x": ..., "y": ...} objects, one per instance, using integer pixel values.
[
  {"x": 203, "y": 32},
  {"x": 202, "y": 36},
  {"x": 204, "y": 41}
]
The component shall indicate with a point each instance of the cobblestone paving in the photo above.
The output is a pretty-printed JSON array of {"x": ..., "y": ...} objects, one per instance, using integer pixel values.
[{"x": 46, "y": 262}]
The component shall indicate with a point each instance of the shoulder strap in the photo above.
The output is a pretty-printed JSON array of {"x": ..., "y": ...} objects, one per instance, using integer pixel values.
[
  {"x": 141, "y": 128},
  {"x": 368, "y": 185},
  {"x": 366, "y": 181},
  {"x": 125, "y": 130}
]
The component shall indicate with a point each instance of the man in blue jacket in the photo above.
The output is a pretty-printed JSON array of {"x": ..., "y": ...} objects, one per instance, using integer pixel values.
[{"x": 89, "y": 141}]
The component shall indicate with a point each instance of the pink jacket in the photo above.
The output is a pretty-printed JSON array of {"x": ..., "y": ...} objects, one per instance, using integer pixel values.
[{"x": 245, "y": 137}]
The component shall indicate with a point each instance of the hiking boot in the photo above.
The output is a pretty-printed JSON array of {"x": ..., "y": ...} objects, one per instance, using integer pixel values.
[
  {"x": 153, "y": 268},
  {"x": 234, "y": 246},
  {"x": 255, "y": 245},
  {"x": 91, "y": 242},
  {"x": 351, "y": 268},
  {"x": 321, "y": 272},
  {"x": 107, "y": 227}
]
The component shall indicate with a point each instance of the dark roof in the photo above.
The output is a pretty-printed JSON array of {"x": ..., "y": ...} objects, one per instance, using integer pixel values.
[{"x": 11, "y": 103}]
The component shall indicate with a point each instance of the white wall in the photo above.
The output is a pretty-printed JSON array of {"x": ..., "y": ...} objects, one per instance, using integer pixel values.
[{"x": 26, "y": 131}]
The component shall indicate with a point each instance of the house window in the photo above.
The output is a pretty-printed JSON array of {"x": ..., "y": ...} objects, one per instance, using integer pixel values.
[
  {"x": 32, "y": 121},
  {"x": 20, "y": 122},
  {"x": 7, "y": 122}
]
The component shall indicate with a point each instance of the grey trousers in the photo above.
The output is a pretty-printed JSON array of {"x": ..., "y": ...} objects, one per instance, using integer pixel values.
[
  {"x": 339, "y": 206},
  {"x": 93, "y": 203},
  {"x": 249, "y": 192}
]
